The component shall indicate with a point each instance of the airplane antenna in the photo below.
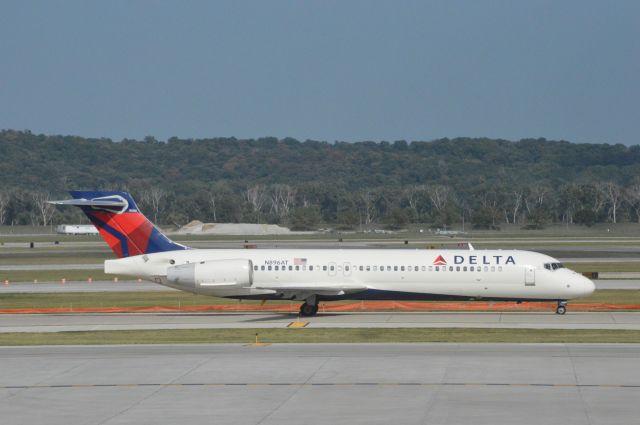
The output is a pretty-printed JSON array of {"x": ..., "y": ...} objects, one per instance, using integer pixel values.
[{"x": 471, "y": 248}]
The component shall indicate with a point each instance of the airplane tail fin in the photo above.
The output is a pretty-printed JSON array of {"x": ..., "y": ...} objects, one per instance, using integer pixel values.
[{"x": 123, "y": 227}]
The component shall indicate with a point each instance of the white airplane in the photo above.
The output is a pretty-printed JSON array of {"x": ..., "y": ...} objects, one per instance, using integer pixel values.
[{"x": 313, "y": 275}]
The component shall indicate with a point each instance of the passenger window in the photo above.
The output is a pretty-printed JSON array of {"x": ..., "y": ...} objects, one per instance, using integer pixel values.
[
  {"x": 375, "y": 268},
  {"x": 464, "y": 269},
  {"x": 471, "y": 268},
  {"x": 332, "y": 268},
  {"x": 324, "y": 268},
  {"x": 269, "y": 267},
  {"x": 416, "y": 268},
  {"x": 402, "y": 268},
  {"x": 388, "y": 268},
  {"x": 493, "y": 268},
  {"x": 457, "y": 268},
  {"x": 368, "y": 268},
  {"x": 499, "y": 268},
  {"x": 290, "y": 268},
  {"x": 255, "y": 268},
  {"x": 437, "y": 268},
  {"x": 304, "y": 268},
  {"x": 346, "y": 268},
  {"x": 361, "y": 268},
  {"x": 450, "y": 268},
  {"x": 395, "y": 268},
  {"x": 424, "y": 268},
  {"x": 275, "y": 268},
  {"x": 297, "y": 268},
  {"x": 310, "y": 268},
  {"x": 486, "y": 268},
  {"x": 262, "y": 268}
]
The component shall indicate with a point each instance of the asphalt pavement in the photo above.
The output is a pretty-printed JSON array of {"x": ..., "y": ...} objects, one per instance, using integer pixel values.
[{"x": 447, "y": 384}]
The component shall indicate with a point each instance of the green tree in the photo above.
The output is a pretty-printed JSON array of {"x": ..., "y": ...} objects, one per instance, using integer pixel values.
[
  {"x": 305, "y": 218},
  {"x": 585, "y": 217}
]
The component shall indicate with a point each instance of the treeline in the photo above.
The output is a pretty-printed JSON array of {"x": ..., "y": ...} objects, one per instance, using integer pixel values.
[{"x": 346, "y": 185}]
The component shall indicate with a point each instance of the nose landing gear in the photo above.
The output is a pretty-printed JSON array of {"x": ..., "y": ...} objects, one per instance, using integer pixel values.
[{"x": 562, "y": 307}]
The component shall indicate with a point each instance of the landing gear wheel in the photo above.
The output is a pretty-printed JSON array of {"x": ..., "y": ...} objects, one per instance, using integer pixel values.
[
  {"x": 308, "y": 310},
  {"x": 562, "y": 307}
]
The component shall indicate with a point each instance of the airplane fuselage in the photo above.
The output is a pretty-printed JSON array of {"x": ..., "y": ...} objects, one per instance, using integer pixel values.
[{"x": 359, "y": 274}]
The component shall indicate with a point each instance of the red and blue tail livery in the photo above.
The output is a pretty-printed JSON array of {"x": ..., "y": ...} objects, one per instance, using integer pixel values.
[{"x": 125, "y": 229}]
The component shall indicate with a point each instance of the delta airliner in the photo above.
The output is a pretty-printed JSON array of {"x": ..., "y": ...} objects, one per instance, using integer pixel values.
[{"x": 313, "y": 275}]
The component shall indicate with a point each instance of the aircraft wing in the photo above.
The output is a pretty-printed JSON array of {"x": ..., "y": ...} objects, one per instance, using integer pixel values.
[{"x": 315, "y": 289}]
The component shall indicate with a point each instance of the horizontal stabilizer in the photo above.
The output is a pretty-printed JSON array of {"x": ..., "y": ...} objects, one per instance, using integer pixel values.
[{"x": 91, "y": 202}]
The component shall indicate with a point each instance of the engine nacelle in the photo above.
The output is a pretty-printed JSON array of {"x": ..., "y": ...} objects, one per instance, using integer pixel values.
[{"x": 236, "y": 273}]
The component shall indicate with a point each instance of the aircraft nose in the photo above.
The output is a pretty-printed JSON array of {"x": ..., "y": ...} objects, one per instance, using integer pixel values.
[{"x": 588, "y": 286}]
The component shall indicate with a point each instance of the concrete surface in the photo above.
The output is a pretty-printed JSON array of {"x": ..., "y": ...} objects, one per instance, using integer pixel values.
[
  {"x": 331, "y": 384},
  {"x": 117, "y": 321}
]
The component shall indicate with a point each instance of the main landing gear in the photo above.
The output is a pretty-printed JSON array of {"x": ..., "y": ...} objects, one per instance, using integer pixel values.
[
  {"x": 308, "y": 310},
  {"x": 310, "y": 307},
  {"x": 562, "y": 307}
]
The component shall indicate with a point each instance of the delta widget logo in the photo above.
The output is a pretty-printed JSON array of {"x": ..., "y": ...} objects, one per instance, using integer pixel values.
[{"x": 440, "y": 261}]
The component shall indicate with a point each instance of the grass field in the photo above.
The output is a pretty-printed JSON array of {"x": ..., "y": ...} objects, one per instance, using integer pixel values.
[
  {"x": 111, "y": 299},
  {"x": 310, "y": 335},
  {"x": 182, "y": 299},
  {"x": 57, "y": 275},
  {"x": 39, "y": 259}
]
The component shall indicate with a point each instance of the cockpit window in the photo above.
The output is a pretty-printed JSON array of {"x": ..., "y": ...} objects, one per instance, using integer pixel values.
[{"x": 553, "y": 266}]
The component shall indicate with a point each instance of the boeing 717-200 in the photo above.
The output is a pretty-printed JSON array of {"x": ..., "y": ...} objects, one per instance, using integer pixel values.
[{"x": 313, "y": 275}]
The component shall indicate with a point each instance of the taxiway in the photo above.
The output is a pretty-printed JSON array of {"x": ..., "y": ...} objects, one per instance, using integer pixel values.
[{"x": 321, "y": 384}]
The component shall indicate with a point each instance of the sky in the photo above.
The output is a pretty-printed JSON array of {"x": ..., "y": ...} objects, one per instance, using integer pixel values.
[{"x": 323, "y": 70}]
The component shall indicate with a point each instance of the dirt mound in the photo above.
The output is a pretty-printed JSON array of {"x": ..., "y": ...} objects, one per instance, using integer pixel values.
[{"x": 197, "y": 227}]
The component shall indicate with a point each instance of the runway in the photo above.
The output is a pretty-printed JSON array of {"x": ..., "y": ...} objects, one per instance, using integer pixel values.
[
  {"x": 147, "y": 321},
  {"x": 321, "y": 384}
]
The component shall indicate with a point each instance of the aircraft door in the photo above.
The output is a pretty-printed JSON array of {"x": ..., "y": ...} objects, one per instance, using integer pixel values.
[{"x": 529, "y": 276}]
